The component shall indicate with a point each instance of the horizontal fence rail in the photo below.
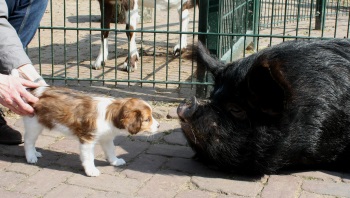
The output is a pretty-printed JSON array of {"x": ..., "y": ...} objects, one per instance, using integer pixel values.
[{"x": 69, "y": 39}]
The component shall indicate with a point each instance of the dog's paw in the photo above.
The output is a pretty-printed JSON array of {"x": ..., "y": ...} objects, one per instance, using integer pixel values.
[
  {"x": 38, "y": 154},
  {"x": 97, "y": 65},
  {"x": 127, "y": 67},
  {"x": 118, "y": 162},
  {"x": 177, "y": 51},
  {"x": 32, "y": 158},
  {"x": 92, "y": 172}
]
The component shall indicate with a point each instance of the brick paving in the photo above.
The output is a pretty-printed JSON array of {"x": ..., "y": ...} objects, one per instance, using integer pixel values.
[{"x": 158, "y": 165}]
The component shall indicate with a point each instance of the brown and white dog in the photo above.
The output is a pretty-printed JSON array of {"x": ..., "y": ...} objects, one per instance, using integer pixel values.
[
  {"x": 131, "y": 17},
  {"x": 91, "y": 119}
]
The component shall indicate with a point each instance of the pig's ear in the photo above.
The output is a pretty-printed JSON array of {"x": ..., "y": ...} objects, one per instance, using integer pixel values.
[
  {"x": 205, "y": 59},
  {"x": 267, "y": 87}
]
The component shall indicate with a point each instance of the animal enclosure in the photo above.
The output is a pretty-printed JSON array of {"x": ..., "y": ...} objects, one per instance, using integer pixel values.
[{"x": 68, "y": 40}]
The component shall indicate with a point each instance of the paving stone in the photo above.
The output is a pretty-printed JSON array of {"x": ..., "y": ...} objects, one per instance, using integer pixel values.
[
  {"x": 45, "y": 141},
  {"x": 12, "y": 118},
  {"x": 53, "y": 133},
  {"x": 306, "y": 194},
  {"x": 65, "y": 190},
  {"x": 48, "y": 157},
  {"x": 42, "y": 182},
  {"x": 172, "y": 114},
  {"x": 106, "y": 168},
  {"x": 168, "y": 125},
  {"x": 318, "y": 175},
  {"x": 12, "y": 151},
  {"x": 346, "y": 177},
  {"x": 21, "y": 166},
  {"x": 107, "y": 183},
  {"x": 103, "y": 194},
  {"x": 282, "y": 186},
  {"x": 229, "y": 186},
  {"x": 66, "y": 145},
  {"x": 164, "y": 184},
  {"x": 69, "y": 160},
  {"x": 230, "y": 196},
  {"x": 194, "y": 193},
  {"x": 144, "y": 167},
  {"x": 159, "y": 112},
  {"x": 5, "y": 162},
  {"x": 130, "y": 149},
  {"x": 10, "y": 179},
  {"x": 148, "y": 137},
  {"x": 10, "y": 194},
  {"x": 171, "y": 150},
  {"x": 120, "y": 137},
  {"x": 176, "y": 138},
  {"x": 18, "y": 124},
  {"x": 327, "y": 188},
  {"x": 191, "y": 166}
]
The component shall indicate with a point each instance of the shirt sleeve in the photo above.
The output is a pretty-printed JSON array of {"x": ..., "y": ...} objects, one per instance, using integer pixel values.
[{"x": 12, "y": 54}]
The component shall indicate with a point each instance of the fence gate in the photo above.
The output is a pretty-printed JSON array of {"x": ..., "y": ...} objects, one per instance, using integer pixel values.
[{"x": 225, "y": 23}]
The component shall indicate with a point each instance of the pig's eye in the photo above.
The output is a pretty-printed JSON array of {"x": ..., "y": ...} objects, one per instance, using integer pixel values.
[{"x": 236, "y": 111}]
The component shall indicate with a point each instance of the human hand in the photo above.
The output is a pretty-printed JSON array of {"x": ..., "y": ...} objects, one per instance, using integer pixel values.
[
  {"x": 29, "y": 72},
  {"x": 13, "y": 94}
]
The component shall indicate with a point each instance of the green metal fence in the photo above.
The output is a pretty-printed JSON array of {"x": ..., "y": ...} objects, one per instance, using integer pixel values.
[
  {"x": 68, "y": 40},
  {"x": 228, "y": 17}
]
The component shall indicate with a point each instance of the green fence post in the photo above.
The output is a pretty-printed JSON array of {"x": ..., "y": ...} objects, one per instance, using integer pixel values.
[
  {"x": 319, "y": 13},
  {"x": 256, "y": 22},
  {"x": 202, "y": 28}
]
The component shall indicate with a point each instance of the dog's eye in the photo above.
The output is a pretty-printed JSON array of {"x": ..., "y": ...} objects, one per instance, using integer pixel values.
[{"x": 147, "y": 120}]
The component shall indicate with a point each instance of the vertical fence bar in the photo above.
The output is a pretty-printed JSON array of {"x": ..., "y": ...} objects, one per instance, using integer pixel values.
[
  {"x": 167, "y": 46},
  {"x": 348, "y": 29},
  {"x": 128, "y": 37},
  {"x": 52, "y": 50},
  {"x": 310, "y": 16},
  {"x": 285, "y": 19},
  {"x": 298, "y": 18},
  {"x": 336, "y": 19},
  {"x": 65, "y": 42},
  {"x": 141, "y": 49},
  {"x": 90, "y": 44},
  {"x": 256, "y": 22},
  {"x": 193, "y": 38},
  {"x": 318, "y": 14},
  {"x": 272, "y": 19},
  {"x": 323, "y": 20},
  {"x": 77, "y": 18},
  {"x": 180, "y": 21},
  {"x": 39, "y": 44},
  {"x": 203, "y": 28},
  {"x": 154, "y": 43}
]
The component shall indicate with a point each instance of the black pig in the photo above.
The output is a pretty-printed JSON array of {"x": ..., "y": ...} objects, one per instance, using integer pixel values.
[{"x": 287, "y": 105}]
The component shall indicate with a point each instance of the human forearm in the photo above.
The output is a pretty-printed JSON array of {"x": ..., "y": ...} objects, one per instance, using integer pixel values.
[{"x": 12, "y": 54}]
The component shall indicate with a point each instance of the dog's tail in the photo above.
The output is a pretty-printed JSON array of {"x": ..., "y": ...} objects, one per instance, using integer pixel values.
[{"x": 205, "y": 59}]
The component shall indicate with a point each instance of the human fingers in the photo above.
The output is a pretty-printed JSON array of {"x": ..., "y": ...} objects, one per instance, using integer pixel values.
[
  {"x": 22, "y": 106},
  {"x": 15, "y": 103},
  {"x": 28, "y": 97},
  {"x": 11, "y": 105},
  {"x": 28, "y": 83}
]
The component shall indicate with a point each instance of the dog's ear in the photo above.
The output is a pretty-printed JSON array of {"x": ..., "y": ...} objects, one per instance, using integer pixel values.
[
  {"x": 205, "y": 59},
  {"x": 267, "y": 86},
  {"x": 133, "y": 121}
]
